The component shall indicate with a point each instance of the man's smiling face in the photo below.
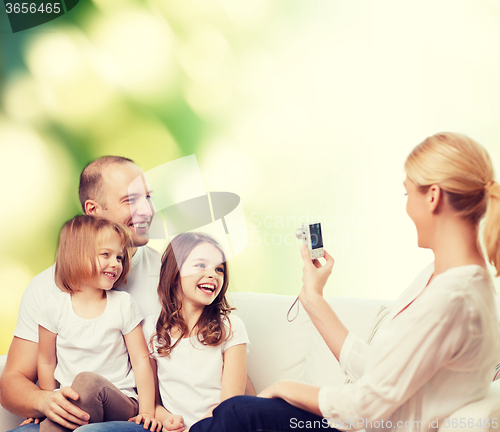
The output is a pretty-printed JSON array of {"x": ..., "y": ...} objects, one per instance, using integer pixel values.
[{"x": 127, "y": 199}]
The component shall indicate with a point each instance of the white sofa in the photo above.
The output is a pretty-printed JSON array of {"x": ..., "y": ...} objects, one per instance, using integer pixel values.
[{"x": 294, "y": 350}]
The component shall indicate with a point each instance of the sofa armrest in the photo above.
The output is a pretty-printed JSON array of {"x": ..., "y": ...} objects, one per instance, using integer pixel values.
[
  {"x": 480, "y": 416},
  {"x": 8, "y": 420}
]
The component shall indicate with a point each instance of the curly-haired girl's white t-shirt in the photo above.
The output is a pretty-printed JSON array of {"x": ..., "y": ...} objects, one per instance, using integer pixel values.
[
  {"x": 93, "y": 345},
  {"x": 190, "y": 379}
]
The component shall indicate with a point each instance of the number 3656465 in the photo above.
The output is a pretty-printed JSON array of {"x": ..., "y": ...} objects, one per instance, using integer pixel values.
[{"x": 32, "y": 8}]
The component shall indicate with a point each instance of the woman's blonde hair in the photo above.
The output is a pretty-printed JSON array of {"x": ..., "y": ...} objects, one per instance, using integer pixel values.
[
  {"x": 77, "y": 252},
  {"x": 462, "y": 169}
]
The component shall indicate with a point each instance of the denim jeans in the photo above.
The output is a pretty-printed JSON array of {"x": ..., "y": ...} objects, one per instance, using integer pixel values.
[
  {"x": 30, "y": 427},
  {"x": 253, "y": 414},
  {"x": 114, "y": 426}
]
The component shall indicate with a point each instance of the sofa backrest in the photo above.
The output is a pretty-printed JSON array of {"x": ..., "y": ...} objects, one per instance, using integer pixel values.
[
  {"x": 277, "y": 347},
  {"x": 358, "y": 315},
  {"x": 294, "y": 350}
]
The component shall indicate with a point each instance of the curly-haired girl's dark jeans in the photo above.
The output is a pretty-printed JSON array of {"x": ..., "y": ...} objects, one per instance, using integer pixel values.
[{"x": 253, "y": 414}]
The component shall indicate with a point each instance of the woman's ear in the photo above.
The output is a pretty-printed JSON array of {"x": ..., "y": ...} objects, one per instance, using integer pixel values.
[{"x": 435, "y": 196}]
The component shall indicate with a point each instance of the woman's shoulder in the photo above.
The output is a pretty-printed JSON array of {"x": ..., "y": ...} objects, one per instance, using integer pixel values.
[
  {"x": 464, "y": 281},
  {"x": 462, "y": 291}
]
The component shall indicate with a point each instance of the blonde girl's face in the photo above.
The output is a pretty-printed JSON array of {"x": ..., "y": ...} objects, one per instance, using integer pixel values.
[
  {"x": 202, "y": 275},
  {"x": 109, "y": 255}
]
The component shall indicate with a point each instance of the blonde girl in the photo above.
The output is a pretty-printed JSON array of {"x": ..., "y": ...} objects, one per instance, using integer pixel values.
[
  {"x": 437, "y": 349},
  {"x": 87, "y": 332},
  {"x": 198, "y": 348}
]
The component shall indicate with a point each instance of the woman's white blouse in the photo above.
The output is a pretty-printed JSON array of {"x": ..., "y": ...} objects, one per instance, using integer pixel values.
[{"x": 426, "y": 361}]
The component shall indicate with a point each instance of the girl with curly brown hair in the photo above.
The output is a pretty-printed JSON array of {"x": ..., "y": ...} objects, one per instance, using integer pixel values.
[{"x": 198, "y": 350}]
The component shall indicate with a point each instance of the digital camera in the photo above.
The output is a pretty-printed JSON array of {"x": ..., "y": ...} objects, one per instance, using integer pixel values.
[{"x": 310, "y": 233}]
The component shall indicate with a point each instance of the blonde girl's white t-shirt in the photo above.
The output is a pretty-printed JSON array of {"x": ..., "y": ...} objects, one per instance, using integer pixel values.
[
  {"x": 190, "y": 379},
  {"x": 142, "y": 282},
  {"x": 93, "y": 345}
]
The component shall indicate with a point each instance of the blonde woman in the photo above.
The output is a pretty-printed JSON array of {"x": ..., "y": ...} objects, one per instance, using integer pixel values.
[{"x": 437, "y": 349}]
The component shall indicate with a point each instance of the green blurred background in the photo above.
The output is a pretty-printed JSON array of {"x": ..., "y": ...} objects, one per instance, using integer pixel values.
[{"x": 306, "y": 109}]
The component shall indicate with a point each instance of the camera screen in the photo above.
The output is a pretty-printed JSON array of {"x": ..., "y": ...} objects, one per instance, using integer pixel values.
[{"x": 316, "y": 238}]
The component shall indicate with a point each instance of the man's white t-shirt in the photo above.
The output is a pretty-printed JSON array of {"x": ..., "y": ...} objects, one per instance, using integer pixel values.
[
  {"x": 190, "y": 379},
  {"x": 142, "y": 283},
  {"x": 93, "y": 345}
]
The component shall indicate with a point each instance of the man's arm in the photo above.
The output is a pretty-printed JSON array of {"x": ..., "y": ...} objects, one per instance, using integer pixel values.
[
  {"x": 20, "y": 395},
  {"x": 47, "y": 359}
]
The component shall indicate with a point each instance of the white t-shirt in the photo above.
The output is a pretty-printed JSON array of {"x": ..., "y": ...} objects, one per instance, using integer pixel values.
[
  {"x": 93, "y": 345},
  {"x": 426, "y": 361},
  {"x": 142, "y": 284},
  {"x": 190, "y": 379}
]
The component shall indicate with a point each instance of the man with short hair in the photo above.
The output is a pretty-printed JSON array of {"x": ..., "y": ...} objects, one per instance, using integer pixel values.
[{"x": 115, "y": 188}]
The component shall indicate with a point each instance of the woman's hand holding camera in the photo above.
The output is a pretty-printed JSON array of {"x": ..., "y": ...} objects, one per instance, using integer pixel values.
[
  {"x": 322, "y": 315},
  {"x": 315, "y": 274}
]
